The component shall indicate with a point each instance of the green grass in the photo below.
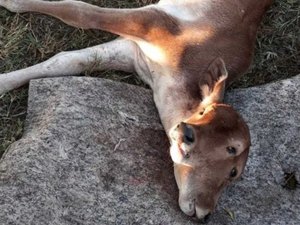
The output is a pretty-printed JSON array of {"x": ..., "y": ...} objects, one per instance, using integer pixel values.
[{"x": 26, "y": 39}]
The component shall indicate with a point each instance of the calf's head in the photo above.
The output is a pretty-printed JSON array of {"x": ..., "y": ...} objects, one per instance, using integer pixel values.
[{"x": 209, "y": 149}]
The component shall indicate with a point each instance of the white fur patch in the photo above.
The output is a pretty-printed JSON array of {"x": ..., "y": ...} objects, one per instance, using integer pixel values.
[
  {"x": 153, "y": 52},
  {"x": 179, "y": 9},
  {"x": 175, "y": 153},
  {"x": 201, "y": 213}
]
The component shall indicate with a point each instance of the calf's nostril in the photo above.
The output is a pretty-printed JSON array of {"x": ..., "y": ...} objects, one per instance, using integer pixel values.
[
  {"x": 194, "y": 215},
  {"x": 206, "y": 218}
]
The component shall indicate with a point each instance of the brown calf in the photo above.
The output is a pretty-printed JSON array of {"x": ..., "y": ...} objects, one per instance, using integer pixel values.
[{"x": 188, "y": 51}]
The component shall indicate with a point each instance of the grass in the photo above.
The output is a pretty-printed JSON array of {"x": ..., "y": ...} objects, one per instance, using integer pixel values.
[
  {"x": 26, "y": 39},
  {"x": 277, "y": 54}
]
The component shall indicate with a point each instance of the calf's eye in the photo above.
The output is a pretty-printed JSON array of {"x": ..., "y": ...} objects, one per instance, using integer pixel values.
[
  {"x": 187, "y": 156},
  {"x": 231, "y": 150},
  {"x": 233, "y": 172},
  {"x": 188, "y": 135}
]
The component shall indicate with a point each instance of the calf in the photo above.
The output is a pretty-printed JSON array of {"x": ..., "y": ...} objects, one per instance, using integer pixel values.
[{"x": 188, "y": 52}]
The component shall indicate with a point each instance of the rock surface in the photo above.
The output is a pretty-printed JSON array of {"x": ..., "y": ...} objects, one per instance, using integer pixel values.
[{"x": 94, "y": 152}]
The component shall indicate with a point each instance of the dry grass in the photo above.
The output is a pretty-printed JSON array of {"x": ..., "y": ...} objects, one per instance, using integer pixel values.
[
  {"x": 26, "y": 39},
  {"x": 277, "y": 54}
]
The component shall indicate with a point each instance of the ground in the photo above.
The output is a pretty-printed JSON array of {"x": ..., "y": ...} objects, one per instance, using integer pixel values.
[{"x": 26, "y": 39}]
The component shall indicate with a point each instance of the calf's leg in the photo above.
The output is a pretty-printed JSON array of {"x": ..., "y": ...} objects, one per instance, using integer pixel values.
[{"x": 116, "y": 55}]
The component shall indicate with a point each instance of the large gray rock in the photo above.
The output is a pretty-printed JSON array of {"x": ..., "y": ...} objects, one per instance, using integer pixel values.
[{"x": 94, "y": 152}]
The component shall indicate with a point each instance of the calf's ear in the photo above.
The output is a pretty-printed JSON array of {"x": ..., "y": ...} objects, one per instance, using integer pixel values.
[{"x": 213, "y": 89}]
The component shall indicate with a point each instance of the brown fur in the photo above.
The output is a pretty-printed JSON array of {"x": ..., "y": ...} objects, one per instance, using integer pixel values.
[{"x": 188, "y": 52}]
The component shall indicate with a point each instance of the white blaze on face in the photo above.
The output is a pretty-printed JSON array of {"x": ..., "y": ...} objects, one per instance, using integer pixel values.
[
  {"x": 175, "y": 153},
  {"x": 153, "y": 52}
]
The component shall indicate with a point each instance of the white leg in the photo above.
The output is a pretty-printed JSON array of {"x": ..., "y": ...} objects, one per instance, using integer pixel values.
[{"x": 116, "y": 55}]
